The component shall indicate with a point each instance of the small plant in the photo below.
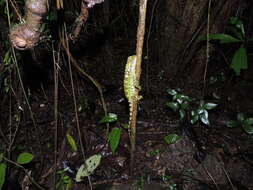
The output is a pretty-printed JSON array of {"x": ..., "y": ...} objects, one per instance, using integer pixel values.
[
  {"x": 115, "y": 133},
  {"x": 180, "y": 103},
  {"x": 170, "y": 185},
  {"x": 154, "y": 152},
  {"x": 242, "y": 121},
  {"x": 65, "y": 182},
  {"x": 184, "y": 105},
  {"x": 23, "y": 158},
  {"x": 172, "y": 138},
  {"x": 235, "y": 34},
  {"x": 114, "y": 138}
]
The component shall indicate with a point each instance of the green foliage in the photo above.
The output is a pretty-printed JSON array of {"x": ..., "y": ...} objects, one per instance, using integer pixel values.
[
  {"x": 154, "y": 152},
  {"x": 242, "y": 121},
  {"x": 239, "y": 61},
  {"x": 179, "y": 102},
  {"x": 172, "y": 138},
  {"x": 2, "y": 174},
  {"x": 236, "y": 34},
  {"x": 110, "y": 118},
  {"x": 88, "y": 167},
  {"x": 170, "y": 185},
  {"x": 185, "y": 107},
  {"x": 65, "y": 182},
  {"x": 114, "y": 138},
  {"x": 71, "y": 142},
  {"x": 24, "y": 158}
]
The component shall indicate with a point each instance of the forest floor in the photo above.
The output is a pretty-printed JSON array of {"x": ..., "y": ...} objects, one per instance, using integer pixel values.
[{"x": 212, "y": 157}]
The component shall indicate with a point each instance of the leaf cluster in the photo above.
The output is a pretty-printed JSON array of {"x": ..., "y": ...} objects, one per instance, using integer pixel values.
[
  {"x": 235, "y": 34},
  {"x": 242, "y": 121},
  {"x": 186, "y": 106}
]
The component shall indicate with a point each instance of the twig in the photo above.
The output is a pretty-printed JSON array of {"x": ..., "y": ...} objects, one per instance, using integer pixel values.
[
  {"x": 26, "y": 172},
  {"x": 139, "y": 50}
]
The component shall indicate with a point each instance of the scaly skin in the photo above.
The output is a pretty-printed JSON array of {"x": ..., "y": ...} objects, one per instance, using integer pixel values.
[{"x": 131, "y": 86}]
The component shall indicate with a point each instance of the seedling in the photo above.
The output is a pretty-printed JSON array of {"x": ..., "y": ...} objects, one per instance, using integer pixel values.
[
  {"x": 236, "y": 34},
  {"x": 186, "y": 106}
]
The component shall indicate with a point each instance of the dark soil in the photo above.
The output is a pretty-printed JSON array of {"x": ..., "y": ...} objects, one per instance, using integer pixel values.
[{"x": 214, "y": 157}]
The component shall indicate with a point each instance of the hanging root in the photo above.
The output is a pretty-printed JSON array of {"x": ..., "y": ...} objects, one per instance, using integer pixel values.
[
  {"x": 91, "y": 3},
  {"x": 26, "y": 35}
]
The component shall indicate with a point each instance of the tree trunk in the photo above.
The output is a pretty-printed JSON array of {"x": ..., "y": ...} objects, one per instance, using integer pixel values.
[{"x": 179, "y": 24}]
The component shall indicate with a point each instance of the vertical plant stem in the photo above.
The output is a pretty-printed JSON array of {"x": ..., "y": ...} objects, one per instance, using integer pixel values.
[
  {"x": 56, "y": 74},
  {"x": 139, "y": 50}
]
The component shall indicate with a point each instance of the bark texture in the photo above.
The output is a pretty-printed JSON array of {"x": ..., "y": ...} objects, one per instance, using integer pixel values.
[{"x": 179, "y": 23}]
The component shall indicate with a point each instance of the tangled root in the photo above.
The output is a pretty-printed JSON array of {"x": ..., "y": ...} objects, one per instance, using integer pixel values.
[{"x": 26, "y": 35}]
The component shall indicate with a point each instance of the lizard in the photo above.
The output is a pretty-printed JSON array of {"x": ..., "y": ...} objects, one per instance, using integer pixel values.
[{"x": 131, "y": 88}]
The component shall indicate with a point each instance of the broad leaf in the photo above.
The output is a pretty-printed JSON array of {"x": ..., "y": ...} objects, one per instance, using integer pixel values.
[
  {"x": 239, "y": 61},
  {"x": 204, "y": 117},
  {"x": 200, "y": 111},
  {"x": 2, "y": 174},
  {"x": 24, "y": 158},
  {"x": 171, "y": 92},
  {"x": 181, "y": 114},
  {"x": 88, "y": 168},
  {"x": 248, "y": 121},
  {"x": 172, "y": 138},
  {"x": 234, "y": 30},
  {"x": 224, "y": 38},
  {"x": 71, "y": 142},
  {"x": 210, "y": 106},
  {"x": 238, "y": 24},
  {"x": 110, "y": 118},
  {"x": 114, "y": 138},
  {"x": 248, "y": 129},
  {"x": 194, "y": 117},
  {"x": 247, "y": 126},
  {"x": 173, "y": 105},
  {"x": 232, "y": 124}
]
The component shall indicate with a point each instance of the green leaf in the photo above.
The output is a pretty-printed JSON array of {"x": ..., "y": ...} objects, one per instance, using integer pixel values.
[
  {"x": 173, "y": 105},
  {"x": 172, "y": 138},
  {"x": 71, "y": 142},
  {"x": 204, "y": 117},
  {"x": 88, "y": 168},
  {"x": 171, "y": 92},
  {"x": 114, "y": 138},
  {"x": 185, "y": 105},
  {"x": 248, "y": 129},
  {"x": 2, "y": 174},
  {"x": 248, "y": 121},
  {"x": 200, "y": 111},
  {"x": 110, "y": 118},
  {"x": 239, "y": 61},
  {"x": 238, "y": 24},
  {"x": 125, "y": 126},
  {"x": 232, "y": 124},
  {"x": 181, "y": 114},
  {"x": 24, "y": 158},
  {"x": 195, "y": 117},
  {"x": 224, "y": 38},
  {"x": 234, "y": 30},
  {"x": 210, "y": 106},
  {"x": 247, "y": 126}
]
